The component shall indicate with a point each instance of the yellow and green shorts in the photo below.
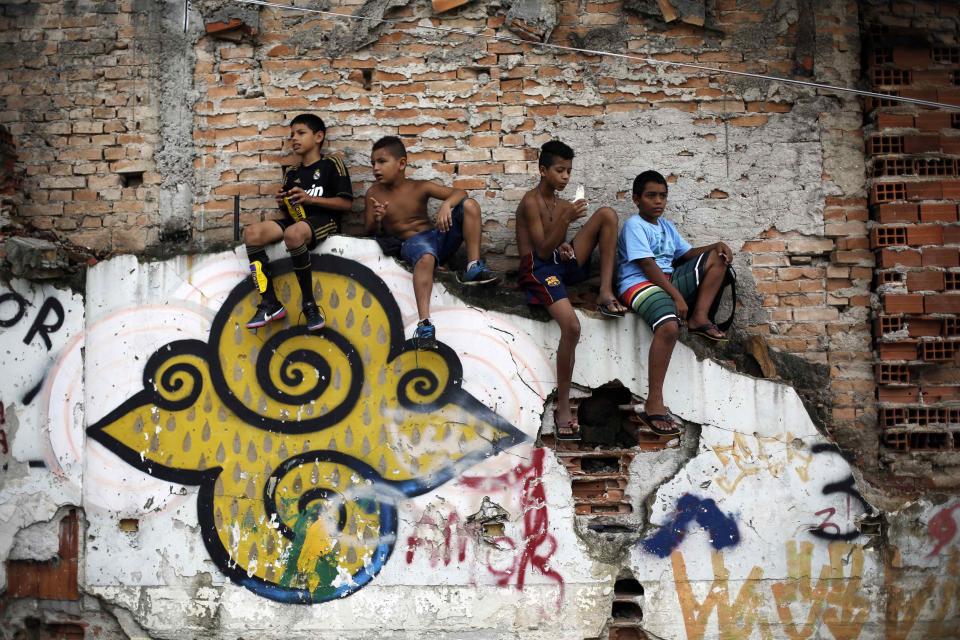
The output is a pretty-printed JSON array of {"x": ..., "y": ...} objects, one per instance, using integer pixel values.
[{"x": 655, "y": 305}]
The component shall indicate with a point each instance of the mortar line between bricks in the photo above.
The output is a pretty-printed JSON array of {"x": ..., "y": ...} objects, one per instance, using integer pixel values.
[{"x": 610, "y": 54}]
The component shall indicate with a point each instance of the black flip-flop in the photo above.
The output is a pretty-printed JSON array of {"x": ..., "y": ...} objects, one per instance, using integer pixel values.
[
  {"x": 604, "y": 308},
  {"x": 703, "y": 332},
  {"x": 649, "y": 419}
]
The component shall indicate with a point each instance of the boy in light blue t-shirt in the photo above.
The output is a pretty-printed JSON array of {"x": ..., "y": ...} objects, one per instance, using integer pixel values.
[{"x": 665, "y": 280}]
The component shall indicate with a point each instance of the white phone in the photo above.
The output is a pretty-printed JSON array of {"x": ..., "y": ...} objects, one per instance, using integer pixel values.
[{"x": 580, "y": 193}]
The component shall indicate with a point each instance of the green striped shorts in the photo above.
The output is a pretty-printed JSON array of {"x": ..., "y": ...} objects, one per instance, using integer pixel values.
[{"x": 655, "y": 305}]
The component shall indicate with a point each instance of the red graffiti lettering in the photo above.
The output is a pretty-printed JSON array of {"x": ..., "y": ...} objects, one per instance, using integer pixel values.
[
  {"x": 446, "y": 537},
  {"x": 455, "y": 536},
  {"x": 4, "y": 448},
  {"x": 538, "y": 545},
  {"x": 942, "y": 528},
  {"x": 827, "y": 525}
]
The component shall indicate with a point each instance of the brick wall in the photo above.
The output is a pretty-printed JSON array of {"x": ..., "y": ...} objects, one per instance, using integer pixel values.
[
  {"x": 915, "y": 187},
  {"x": 76, "y": 98}
]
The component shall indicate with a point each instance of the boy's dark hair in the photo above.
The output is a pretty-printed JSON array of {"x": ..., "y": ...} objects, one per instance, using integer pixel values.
[
  {"x": 314, "y": 123},
  {"x": 552, "y": 150},
  {"x": 392, "y": 144},
  {"x": 640, "y": 182}
]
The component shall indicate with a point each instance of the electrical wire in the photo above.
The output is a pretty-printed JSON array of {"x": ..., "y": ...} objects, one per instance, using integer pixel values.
[{"x": 610, "y": 54}]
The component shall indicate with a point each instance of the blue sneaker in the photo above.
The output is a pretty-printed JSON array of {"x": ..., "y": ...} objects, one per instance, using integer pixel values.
[
  {"x": 478, "y": 274},
  {"x": 425, "y": 335}
]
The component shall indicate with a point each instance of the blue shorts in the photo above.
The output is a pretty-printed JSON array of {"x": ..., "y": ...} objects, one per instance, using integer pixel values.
[
  {"x": 440, "y": 244},
  {"x": 544, "y": 281}
]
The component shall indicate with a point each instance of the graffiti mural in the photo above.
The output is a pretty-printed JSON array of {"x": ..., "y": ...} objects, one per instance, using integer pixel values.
[
  {"x": 303, "y": 443},
  {"x": 721, "y": 527}
]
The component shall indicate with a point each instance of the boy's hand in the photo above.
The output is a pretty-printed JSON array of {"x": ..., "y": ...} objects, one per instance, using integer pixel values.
[
  {"x": 565, "y": 251},
  {"x": 576, "y": 210},
  {"x": 444, "y": 217},
  {"x": 297, "y": 196},
  {"x": 725, "y": 253},
  {"x": 681, "y": 308},
  {"x": 379, "y": 210}
]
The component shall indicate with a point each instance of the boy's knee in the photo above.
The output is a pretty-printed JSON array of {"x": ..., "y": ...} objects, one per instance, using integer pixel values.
[
  {"x": 668, "y": 330},
  {"x": 471, "y": 207},
  {"x": 251, "y": 237},
  {"x": 426, "y": 261},
  {"x": 570, "y": 328},
  {"x": 294, "y": 236},
  {"x": 608, "y": 215}
]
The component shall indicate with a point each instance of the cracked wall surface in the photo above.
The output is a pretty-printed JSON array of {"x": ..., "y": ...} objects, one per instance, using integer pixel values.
[{"x": 755, "y": 525}]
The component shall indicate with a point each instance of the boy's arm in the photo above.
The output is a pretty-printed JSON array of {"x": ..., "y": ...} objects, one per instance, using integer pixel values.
[
  {"x": 451, "y": 197},
  {"x": 299, "y": 196},
  {"x": 545, "y": 241},
  {"x": 726, "y": 254}
]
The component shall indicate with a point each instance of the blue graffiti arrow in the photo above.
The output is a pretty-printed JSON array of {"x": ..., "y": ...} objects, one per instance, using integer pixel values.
[{"x": 722, "y": 528}]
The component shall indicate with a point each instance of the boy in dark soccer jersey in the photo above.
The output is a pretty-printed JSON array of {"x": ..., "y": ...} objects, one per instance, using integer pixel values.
[
  {"x": 666, "y": 281},
  {"x": 314, "y": 195}
]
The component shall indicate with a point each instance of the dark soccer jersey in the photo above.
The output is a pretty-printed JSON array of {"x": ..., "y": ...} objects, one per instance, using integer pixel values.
[{"x": 325, "y": 178}]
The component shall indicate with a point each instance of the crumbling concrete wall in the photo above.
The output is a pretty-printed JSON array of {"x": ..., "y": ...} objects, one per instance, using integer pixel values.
[{"x": 205, "y": 511}]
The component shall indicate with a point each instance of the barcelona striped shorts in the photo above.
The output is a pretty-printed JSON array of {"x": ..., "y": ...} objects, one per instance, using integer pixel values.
[{"x": 655, "y": 305}]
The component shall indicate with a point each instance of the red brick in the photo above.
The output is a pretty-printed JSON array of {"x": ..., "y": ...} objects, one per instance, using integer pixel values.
[
  {"x": 924, "y": 234},
  {"x": 902, "y": 395},
  {"x": 894, "y": 121},
  {"x": 920, "y": 143},
  {"x": 902, "y": 303},
  {"x": 924, "y": 190},
  {"x": 950, "y": 144},
  {"x": 938, "y": 212},
  {"x": 887, "y": 213},
  {"x": 924, "y": 327},
  {"x": 940, "y": 257},
  {"x": 949, "y": 96},
  {"x": 925, "y": 281},
  {"x": 898, "y": 350},
  {"x": 940, "y": 394},
  {"x": 933, "y": 121},
  {"x": 951, "y": 234},
  {"x": 942, "y": 303},
  {"x": 911, "y": 58}
]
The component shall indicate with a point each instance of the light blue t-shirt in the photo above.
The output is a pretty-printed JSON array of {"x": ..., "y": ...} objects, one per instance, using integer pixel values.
[{"x": 640, "y": 239}]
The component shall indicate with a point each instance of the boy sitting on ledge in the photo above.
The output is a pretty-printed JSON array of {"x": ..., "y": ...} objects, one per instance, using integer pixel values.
[
  {"x": 315, "y": 194},
  {"x": 397, "y": 206},
  {"x": 665, "y": 281}
]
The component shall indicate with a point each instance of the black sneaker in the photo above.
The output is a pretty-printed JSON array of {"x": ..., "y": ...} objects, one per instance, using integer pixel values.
[
  {"x": 425, "y": 336},
  {"x": 478, "y": 274},
  {"x": 267, "y": 311},
  {"x": 315, "y": 319}
]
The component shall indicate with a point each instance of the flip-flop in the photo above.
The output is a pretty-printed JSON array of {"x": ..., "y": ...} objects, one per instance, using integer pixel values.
[
  {"x": 649, "y": 420},
  {"x": 638, "y": 408},
  {"x": 572, "y": 427},
  {"x": 704, "y": 332},
  {"x": 605, "y": 309}
]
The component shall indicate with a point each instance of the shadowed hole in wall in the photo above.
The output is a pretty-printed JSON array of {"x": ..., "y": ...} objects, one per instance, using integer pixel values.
[{"x": 599, "y": 463}]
